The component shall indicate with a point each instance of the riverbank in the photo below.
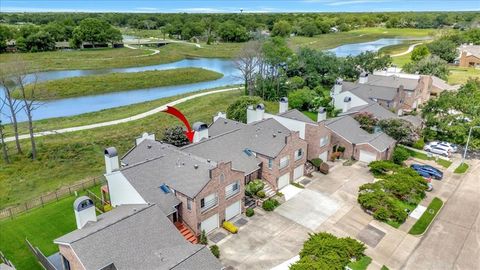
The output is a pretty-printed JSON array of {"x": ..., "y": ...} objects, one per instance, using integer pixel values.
[
  {"x": 67, "y": 158},
  {"x": 116, "y": 82}
]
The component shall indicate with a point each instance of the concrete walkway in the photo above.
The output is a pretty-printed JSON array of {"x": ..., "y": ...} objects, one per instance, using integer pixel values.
[
  {"x": 124, "y": 120},
  {"x": 409, "y": 50},
  {"x": 135, "y": 48}
]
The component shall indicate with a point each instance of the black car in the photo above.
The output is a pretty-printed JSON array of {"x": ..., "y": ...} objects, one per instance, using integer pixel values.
[{"x": 427, "y": 171}]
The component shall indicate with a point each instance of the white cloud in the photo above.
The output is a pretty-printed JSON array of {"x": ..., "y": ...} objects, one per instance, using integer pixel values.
[{"x": 353, "y": 2}]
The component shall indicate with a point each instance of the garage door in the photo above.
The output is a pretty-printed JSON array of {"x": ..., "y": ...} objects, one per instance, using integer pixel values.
[
  {"x": 298, "y": 172},
  {"x": 323, "y": 156},
  {"x": 366, "y": 156},
  {"x": 284, "y": 180},
  {"x": 210, "y": 223},
  {"x": 233, "y": 210}
]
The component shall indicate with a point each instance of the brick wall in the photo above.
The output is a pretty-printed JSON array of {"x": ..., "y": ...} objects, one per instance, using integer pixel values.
[
  {"x": 466, "y": 60},
  {"x": 69, "y": 254},
  {"x": 313, "y": 134}
]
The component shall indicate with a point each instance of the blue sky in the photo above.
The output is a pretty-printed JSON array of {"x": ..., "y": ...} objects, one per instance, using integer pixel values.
[{"x": 217, "y": 6}]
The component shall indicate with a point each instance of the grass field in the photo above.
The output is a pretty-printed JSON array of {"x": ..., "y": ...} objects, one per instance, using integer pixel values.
[
  {"x": 427, "y": 217},
  {"x": 40, "y": 226},
  {"x": 67, "y": 158},
  {"x": 115, "y": 82},
  {"x": 462, "y": 168},
  {"x": 460, "y": 75},
  {"x": 361, "y": 264},
  {"x": 440, "y": 161}
]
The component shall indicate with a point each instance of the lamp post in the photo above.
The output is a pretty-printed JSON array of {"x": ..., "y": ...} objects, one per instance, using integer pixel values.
[{"x": 468, "y": 140}]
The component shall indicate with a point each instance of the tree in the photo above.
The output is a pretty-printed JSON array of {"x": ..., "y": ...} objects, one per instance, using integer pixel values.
[
  {"x": 247, "y": 62},
  {"x": 238, "y": 109},
  {"x": 431, "y": 65},
  {"x": 367, "y": 121},
  {"x": 400, "y": 130},
  {"x": 419, "y": 53},
  {"x": 94, "y": 31},
  {"x": 281, "y": 29},
  {"x": 443, "y": 48},
  {"x": 12, "y": 104},
  {"x": 231, "y": 31},
  {"x": 300, "y": 99},
  {"x": 370, "y": 61},
  {"x": 399, "y": 155},
  {"x": 175, "y": 136},
  {"x": 6, "y": 34}
]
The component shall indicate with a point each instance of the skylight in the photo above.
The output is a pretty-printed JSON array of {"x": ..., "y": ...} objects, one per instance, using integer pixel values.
[{"x": 165, "y": 189}]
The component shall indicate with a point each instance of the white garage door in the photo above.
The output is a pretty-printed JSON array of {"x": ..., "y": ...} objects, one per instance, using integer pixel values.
[
  {"x": 233, "y": 210},
  {"x": 210, "y": 223},
  {"x": 298, "y": 172},
  {"x": 284, "y": 180},
  {"x": 323, "y": 156},
  {"x": 366, "y": 156}
]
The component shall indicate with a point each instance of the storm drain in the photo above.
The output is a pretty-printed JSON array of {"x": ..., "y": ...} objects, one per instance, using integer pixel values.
[
  {"x": 217, "y": 237},
  {"x": 370, "y": 236},
  {"x": 305, "y": 181},
  {"x": 240, "y": 222}
]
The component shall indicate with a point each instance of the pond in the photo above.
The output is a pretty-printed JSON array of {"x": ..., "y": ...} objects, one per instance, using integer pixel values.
[{"x": 79, "y": 105}]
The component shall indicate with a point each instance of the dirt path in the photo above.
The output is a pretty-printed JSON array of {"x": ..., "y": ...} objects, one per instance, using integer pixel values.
[{"x": 409, "y": 50}]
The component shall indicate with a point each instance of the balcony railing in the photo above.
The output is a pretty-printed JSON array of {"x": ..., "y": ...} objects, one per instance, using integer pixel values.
[
  {"x": 209, "y": 204},
  {"x": 284, "y": 163},
  {"x": 231, "y": 193}
]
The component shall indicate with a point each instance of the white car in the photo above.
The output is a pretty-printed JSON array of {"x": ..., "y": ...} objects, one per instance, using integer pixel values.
[
  {"x": 450, "y": 146},
  {"x": 437, "y": 149}
]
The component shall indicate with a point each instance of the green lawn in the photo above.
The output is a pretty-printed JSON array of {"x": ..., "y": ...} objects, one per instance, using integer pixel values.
[
  {"x": 384, "y": 268},
  {"x": 424, "y": 221},
  {"x": 310, "y": 115},
  {"x": 462, "y": 168},
  {"x": 113, "y": 82},
  {"x": 440, "y": 161},
  {"x": 41, "y": 226},
  {"x": 460, "y": 75},
  {"x": 361, "y": 264},
  {"x": 67, "y": 158}
]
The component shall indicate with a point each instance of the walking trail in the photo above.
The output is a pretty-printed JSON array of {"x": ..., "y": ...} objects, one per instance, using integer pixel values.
[
  {"x": 124, "y": 120},
  {"x": 409, "y": 50}
]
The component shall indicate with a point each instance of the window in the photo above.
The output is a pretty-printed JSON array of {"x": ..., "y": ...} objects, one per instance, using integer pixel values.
[
  {"x": 324, "y": 141},
  {"x": 232, "y": 189},
  {"x": 222, "y": 178},
  {"x": 189, "y": 204},
  {"x": 270, "y": 163},
  {"x": 298, "y": 154},
  {"x": 284, "y": 162},
  {"x": 66, "y": 263},
  {"x": 208, "y": 202}
]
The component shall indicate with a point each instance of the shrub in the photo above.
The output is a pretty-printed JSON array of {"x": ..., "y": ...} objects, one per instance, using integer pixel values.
[
  {"x": 381, "y": 214},
  {"x": 270, "y": 204},
  {"x": 400, "y": 154},
  {"x": 261, "y": 194},
  {"x": 419, "y": 144},
  {"x": 227, "y": 225},
  {"x": 249, "y": 212},
  {"x": 203, "y": 238},
  {"x": 316, "y": 162},
  {"x": 382, "y": 166},
  {"x": 253, "y": 187},
  {"x": 300, "y": 99},
  {"x": 215, "y": 251},
  {"x": 238, "y": 109}
]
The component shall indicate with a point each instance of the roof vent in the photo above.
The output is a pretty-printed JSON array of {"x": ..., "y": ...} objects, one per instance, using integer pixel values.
[
  {"x": 208, "y": 160},
  {"x": 149, "y": 146},
  {"x": 195, "y": 166},
  {"x": 279, "y": 131},
  {"x": 274, "y": 135}
]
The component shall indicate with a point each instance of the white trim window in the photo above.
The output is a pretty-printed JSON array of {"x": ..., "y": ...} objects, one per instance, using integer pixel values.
[
  {"x": 284, "y": 161},
  {"x": 208, "y": 202},
  {"x": 270, "y": 163},
  {"x": 232, "y": 189},
  {"x": 324, "y": 141},
  {"x": 298, "y": 154}
]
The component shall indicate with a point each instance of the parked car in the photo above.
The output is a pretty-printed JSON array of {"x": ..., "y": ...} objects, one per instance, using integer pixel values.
[
  {"x": 427, "y": 171},
  {"x": 452, "y": 147},
  {"x": 437, "y": 149}
]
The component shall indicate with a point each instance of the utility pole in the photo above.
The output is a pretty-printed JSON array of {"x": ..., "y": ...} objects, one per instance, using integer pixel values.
[{"x": 468, "y": 140}]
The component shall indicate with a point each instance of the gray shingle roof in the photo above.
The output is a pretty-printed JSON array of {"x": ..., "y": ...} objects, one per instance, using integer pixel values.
[
  {"x": 349, "y": 128},
  {"x": 152, "y": 163},
  {"x": 266, "y": 137},
  {"x": 223, "y": 125},
  {"x": 367, "y": 92},
  {"x": 392, "y": 81},
  {"x": 375, "y": 109},
  {"x": 297, "y": 115},
  {"x": 143, "y": 238}
]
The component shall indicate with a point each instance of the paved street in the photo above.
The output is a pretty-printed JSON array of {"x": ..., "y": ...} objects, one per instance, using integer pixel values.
[{"x": 453, "y": 241}]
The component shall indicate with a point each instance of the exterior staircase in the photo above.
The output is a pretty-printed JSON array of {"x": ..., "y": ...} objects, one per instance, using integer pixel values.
[
  {"x": 186, "y": 232},
  {"x": 269, "y": 192},
  {"x": 249, "y": 202}
]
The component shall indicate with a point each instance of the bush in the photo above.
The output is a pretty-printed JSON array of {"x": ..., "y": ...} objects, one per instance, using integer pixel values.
[
  {"x": 249, "y": 212},
  {"x": 238, "y": 110},
  {"x": 300, "y": 99},
  {"x": 215, "y": 251},
  {"x": 400, "y": 154},
  {"x": 316, "y": 162},
  {"x": 419, "y": 144},
  {"x": 203, "y": 238},
  {"x": 227, "y": 225},
  {"x": 382, "y": 166},
  {"x": 261, "y": 194},
  {"x": 270, "y": 204},
  {"x": 253, "y": 187}
]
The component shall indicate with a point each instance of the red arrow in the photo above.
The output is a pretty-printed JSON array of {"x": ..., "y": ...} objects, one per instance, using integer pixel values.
[{"x": 173, "y": 111}]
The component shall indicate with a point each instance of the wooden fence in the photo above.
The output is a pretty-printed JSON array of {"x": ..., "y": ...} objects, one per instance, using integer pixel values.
[
  {"x": 56, "y": 195},
  {"x": 5, "y": 260},
  {"x": 42, "y": 259}
]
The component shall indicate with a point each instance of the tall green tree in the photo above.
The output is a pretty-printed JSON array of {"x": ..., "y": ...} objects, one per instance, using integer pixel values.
[
  {"x": 419, "y": 53},
  {"x": 281, "y": 29},
  {"x": 431, "y": 65}
]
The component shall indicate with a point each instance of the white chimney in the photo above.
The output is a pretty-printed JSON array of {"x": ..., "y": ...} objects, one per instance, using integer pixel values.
[
  {"x": 219, "y": 115},
  {"x": 260, "y": 111},
  {"x": 201, "y": 131},
  {"x": 255, "y": 114},
  {"x": 283, "y": 105},
  {"x": 346, "y": 104},
  {"x": 84, "y": 210},
  {"x": 363, "y": 78},
  {"x": 111, "y": 160},
  {"x": 145, "y": 136},
  {"x": 322, "y": 114},
  {"x": 337, "y": 88}
]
